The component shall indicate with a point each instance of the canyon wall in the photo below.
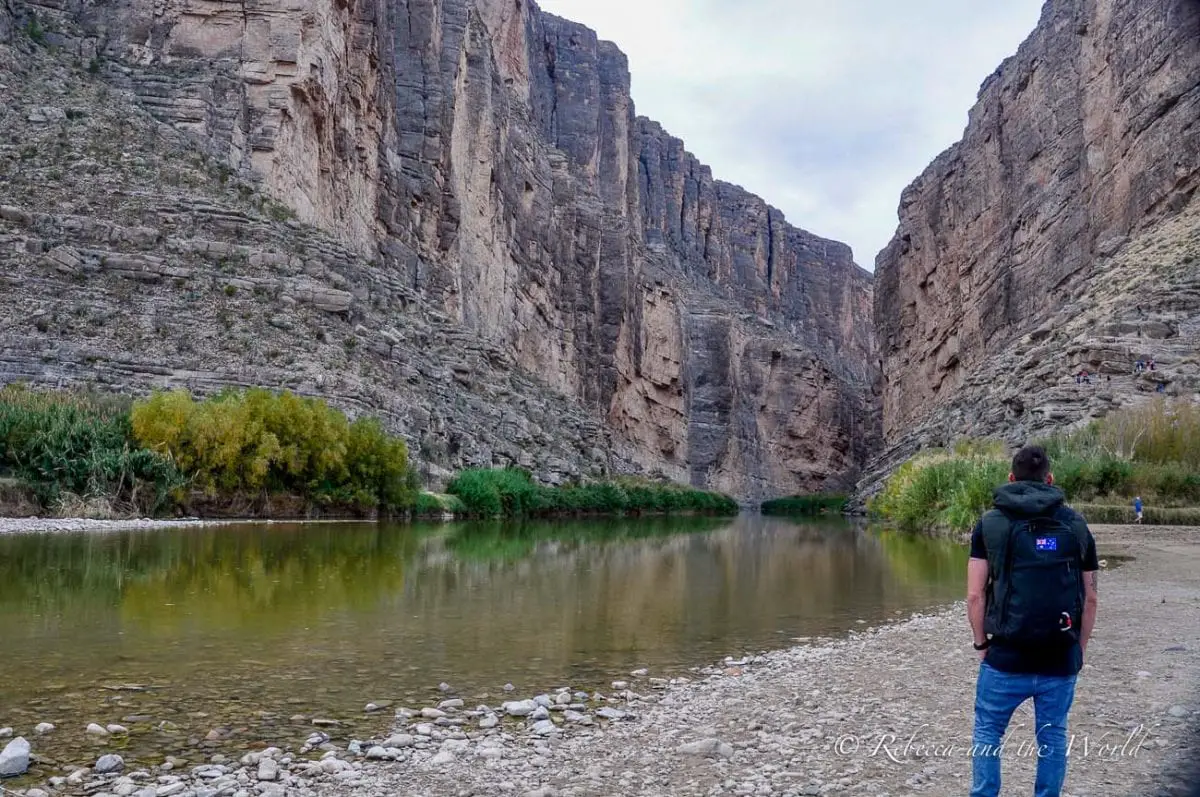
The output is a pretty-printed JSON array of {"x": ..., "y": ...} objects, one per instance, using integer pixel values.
[
  {"x": 1044, "y": 242},
  {"x": 485, "y": 158}
]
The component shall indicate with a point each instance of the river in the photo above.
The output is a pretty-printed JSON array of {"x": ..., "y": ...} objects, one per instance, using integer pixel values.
[{"x": 224, "y": 638}]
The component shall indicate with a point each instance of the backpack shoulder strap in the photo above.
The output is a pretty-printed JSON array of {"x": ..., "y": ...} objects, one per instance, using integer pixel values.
[
  {"x": 997, "y": 536},
  {"x": 1072, "y": 519}
]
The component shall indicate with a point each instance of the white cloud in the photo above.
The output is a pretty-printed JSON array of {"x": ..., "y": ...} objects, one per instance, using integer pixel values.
[{"x": 825, "y": 108}]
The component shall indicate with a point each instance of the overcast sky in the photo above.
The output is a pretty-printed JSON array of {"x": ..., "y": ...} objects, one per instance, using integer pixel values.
[{"x": 825, "y": 108}]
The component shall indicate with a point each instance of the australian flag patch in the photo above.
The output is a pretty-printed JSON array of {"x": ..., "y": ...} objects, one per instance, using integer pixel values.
[{"x": 1047, "y": 543}]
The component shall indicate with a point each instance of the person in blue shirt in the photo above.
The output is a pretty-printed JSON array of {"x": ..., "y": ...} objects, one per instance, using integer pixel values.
[{"x": 1137, "y": 509}]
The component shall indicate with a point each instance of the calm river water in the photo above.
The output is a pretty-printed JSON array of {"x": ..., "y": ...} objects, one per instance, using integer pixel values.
[{"x": 226, "y": 637}]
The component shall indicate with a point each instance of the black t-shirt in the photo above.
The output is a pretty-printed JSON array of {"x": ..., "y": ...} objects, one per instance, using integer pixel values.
[{"x": 1043, "y": 660}]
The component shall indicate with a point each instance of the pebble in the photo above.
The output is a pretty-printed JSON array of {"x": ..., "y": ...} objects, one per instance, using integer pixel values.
[
  {"x": 43, "y": 727},
  {"x": 109, "y": 763},
  {"x": 432, "y": 713},
  {"x": 96, "y": 730},
  {"x": 611, "y": 713},
  {"x": 442, "y": 758},
  {"x": 5, "y": 733},
  {"x": 489, "y": 722},
  {"x": 1179, "y": 712},
  {"x": 114, "y": 728},
  {"x": 450, "y": 704},
  {"x": 444, "y": 687}
]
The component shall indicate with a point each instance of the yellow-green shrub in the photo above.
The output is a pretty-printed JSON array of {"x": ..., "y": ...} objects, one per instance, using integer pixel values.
[{"x": 260, "y": 441}]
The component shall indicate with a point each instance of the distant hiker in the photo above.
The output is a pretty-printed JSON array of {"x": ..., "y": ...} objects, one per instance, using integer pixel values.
[
  {"x": 1031, "y": 601},
  {"x": 1137, "y": 509},
  {"x": 1162, "y": 388},
  {"x": 1108, "y": 378},
  {"x": 1153, "y": 364},
  {"x": 1138, "y": 367}
]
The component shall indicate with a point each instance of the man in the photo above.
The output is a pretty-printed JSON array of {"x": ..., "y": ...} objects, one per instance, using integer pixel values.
[
  {"x": 1137, "y": 509},
  {"x": 1031, "y": 600}
]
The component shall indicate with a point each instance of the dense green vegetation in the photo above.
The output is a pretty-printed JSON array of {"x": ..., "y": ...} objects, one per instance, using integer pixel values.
[
  {"x": 805, "y": 505},
  {"x": 512, "y": 492},
  {"x": 1152, "y": 451},
  {"x": 67, "y": 448}
]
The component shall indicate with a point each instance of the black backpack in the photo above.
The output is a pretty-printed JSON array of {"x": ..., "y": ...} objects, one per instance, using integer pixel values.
[{"x": 1035, "y": 578}]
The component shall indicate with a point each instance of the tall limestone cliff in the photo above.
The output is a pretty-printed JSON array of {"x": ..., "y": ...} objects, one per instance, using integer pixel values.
[
  {"x": 1060, "y": 235},
  {"x": 480, "y": 167}
]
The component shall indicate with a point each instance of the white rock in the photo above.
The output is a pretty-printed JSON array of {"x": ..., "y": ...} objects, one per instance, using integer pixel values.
[
  {"x": 1178, "y": 712},
  {"x": 36, "y": 793},
  {"x": 376, "y": 753},
  {"x": 424, "y": 729},
  {"x": 520, "y": 708},
  {"x": 642, "y": 673},
  {"x": 43, "y": 727},
  {"x": 509, "y": 688},
  {"x": 442, "y": 758},
  {"x": 563, "y": 698},
  {"x": 493, "y": 753},
  {"x": 432, "y": 713},
  {"x": 14, "y": 758},
  {"x": 400, "y": 740},
  {"x": 96, "y": 730},
  {"x": 170, "y": 788},
  {"x": 5, "y": 733},
  {"x": 611, "y": 713},
  {"x": 620, "y": 685},
  {"x": 449, "y": 704},
  {"x": 489, "y": 722},
  {"x": 109, "y": 763},
  {"x": 116, "y": 728},
  {"x": 268, "y": 769},
  {"x": 545, "y": 728},
  {"x": 708, "y": 747},
  {"x": 540, "y": 713},
  {"x": 444, "y": 687}
]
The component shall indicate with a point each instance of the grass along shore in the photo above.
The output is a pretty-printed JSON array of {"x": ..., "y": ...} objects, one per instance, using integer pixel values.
[
  {"x": 260, "y": 454},
  {"x": 1151, "y": 451}
]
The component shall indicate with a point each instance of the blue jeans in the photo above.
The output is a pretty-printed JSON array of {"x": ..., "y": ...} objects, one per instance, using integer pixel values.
[{"x": 997, "y": 696}]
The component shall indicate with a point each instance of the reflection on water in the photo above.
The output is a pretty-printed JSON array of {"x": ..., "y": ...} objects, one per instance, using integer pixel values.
[{"x": 246, "y": 633}]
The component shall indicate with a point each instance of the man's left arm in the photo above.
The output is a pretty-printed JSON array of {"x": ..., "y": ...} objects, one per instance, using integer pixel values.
[{"x": 1091, "y": 587}]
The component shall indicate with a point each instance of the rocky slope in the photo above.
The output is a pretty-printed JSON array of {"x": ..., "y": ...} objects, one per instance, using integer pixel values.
[
  {"x": 1058, "y": 235},
  {"x": 482, "y": 159}
]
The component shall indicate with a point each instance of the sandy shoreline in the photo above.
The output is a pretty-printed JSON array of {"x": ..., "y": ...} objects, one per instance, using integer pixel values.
[{"x": 882, "y": 712}]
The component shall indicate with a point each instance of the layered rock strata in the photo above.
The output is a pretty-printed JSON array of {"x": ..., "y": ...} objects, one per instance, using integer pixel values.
[
  {"x": 1051, "y": 239},
  {"x": 486, "y": 158}
]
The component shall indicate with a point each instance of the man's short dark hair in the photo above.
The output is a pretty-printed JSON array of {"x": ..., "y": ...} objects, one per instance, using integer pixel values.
[{"x": 1031, "y": 464}]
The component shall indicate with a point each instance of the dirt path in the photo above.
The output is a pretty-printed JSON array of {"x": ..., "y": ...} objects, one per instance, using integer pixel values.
[{"x": 871, "y": 714}]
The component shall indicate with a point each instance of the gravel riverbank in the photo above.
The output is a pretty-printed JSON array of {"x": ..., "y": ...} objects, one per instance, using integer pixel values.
[
  {"x": 33, "y": 525},
  {"x": 885, "y": 711}
]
